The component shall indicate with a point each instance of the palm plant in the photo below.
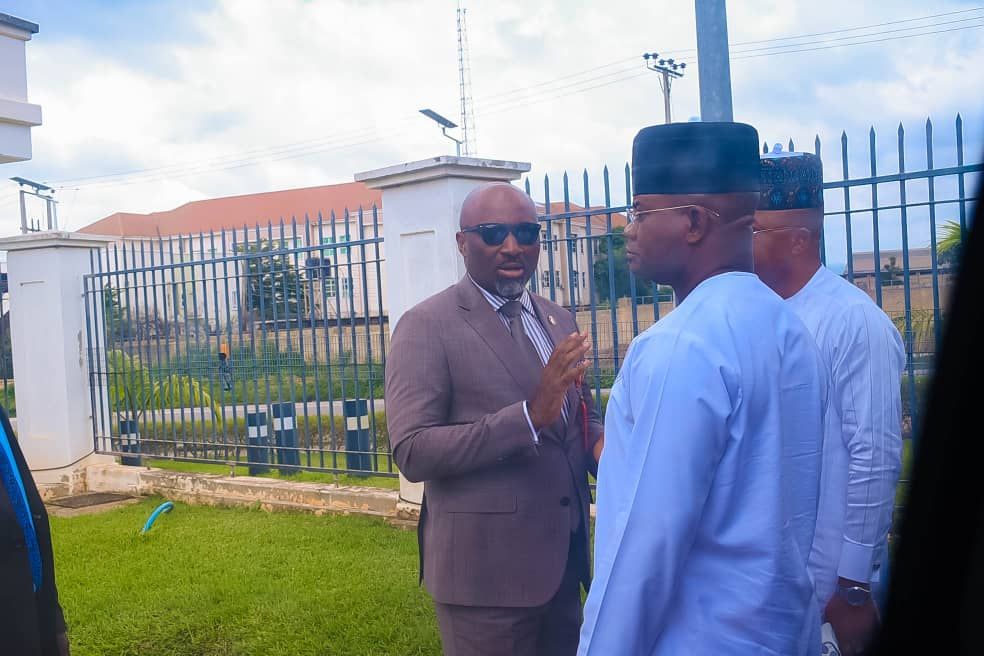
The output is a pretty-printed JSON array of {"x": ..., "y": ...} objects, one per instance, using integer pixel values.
[
  {"x": 133, "y": 391},
  {"x": 949, "y": 238}
]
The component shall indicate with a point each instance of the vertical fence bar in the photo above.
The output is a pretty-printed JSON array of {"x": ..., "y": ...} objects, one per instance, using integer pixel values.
[
  {"x": 340, "y": 368},
  {"x": 548, "y": 211},
  {"x": 931, "y": 182},
  {"x": 332, "y": 273},
  {"x": 87, "y": 282},
  {"x": 960, "y": 179},
  {"x": 910, "y": 367},
  {"x": 569, "y": 249},
  {"x": 380, "y": 315},
  {"x": 264, "y": 259},
  {"x": 592, "y": 301},
  {"x": 229, "y": 386},
  {"x": 292, "y": 451},
  {"x": 847, "y": 209},
  {"x": 876, "y": 244},
  {"x": 352, "y": 322},
  {"x": 371, "y": 378},
  {"x": 310, "y": 307},
  {"x": 534, "y": 283},
  {"x": 204, "y": 353}
]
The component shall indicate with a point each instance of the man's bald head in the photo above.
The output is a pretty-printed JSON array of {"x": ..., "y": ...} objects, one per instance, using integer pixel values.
[
  {"x": 503, "y": 268},
  {"x": 496, "y": 202}
]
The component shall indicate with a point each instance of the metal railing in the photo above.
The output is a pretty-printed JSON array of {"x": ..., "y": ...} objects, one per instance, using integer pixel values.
[
  {"x": 262, "y": 347},
  {"x": 909, "y": 282}
]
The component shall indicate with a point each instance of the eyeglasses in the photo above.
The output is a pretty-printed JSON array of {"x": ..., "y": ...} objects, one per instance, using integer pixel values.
[
  {"x": 633, "y": 214},
  {"x": 760, "y": 230},
  {"x": 493, "y": 234}
]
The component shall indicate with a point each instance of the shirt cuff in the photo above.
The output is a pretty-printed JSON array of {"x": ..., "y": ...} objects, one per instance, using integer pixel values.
[
  {"x": 529, "y": 422},
  {"x": 855, "y": 562}
]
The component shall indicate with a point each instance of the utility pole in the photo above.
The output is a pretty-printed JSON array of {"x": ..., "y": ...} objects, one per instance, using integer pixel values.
[
  {"x": 713, "y": 61},
  {"x": 45, "y": 193},
  {"x": 668, "y": 70}
]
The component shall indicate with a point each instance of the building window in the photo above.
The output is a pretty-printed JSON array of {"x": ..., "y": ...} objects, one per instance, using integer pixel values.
[
  {"x": 546, "y": 279},
  {"x": 556, "y": 248},
  {"x": 340, "y": 239},
  {"x": 583, "y": 279},
  {"x": 346, "y": 285},
  {"x": 544, "y": 245},
  {"x": 330, "y": 287},
  {"x": 558, "y": 281}
]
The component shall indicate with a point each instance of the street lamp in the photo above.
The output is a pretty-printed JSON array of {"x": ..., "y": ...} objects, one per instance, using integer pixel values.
[{"x": 445, "y": 124}]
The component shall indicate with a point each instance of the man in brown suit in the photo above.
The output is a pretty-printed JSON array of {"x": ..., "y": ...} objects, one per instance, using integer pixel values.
[{"x": 483, "y": 405}]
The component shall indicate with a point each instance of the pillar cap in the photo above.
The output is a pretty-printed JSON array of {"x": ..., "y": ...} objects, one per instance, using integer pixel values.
[
  {"x": 444, "y": 166},
  {"x": 54, "y": 239}
]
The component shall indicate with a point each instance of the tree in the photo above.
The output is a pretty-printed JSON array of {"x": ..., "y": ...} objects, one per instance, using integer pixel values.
[
  {"x": 114, "y": 315},
  {"x": 949, "y": 239},
  {"x": 273, "y": 288},
  {"x": 620, "y": 267}
]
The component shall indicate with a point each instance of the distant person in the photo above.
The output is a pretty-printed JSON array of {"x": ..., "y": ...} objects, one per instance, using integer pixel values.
[
  {"x": 483, "y": 407},
  {"x": 225, "y": 371},
  {"x": 708, "y": 484},
  {"x": 31, "y": 621},
  {"x": 862, "y": 454}
]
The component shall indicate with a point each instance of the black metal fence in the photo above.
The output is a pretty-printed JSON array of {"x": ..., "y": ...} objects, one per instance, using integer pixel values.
[
  {"x": 206, "y": 347},
  {"x": 261, "y": 347}
]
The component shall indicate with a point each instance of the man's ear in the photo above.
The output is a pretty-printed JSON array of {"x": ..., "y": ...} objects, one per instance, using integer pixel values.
[
  {"x": 460, "y": 238},
  {"x": 802, "y": 241},
  {"x": 700, "y": 222}
]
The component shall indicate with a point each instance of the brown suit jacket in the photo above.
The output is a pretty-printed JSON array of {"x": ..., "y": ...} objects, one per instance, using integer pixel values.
[{"x": 495, "y": 526}]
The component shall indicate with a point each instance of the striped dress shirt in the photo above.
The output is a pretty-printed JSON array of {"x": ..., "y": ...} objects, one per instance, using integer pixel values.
[{"x": 534, "y": 330}]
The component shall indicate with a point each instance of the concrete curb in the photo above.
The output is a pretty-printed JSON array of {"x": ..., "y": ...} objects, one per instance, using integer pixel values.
[{"x": 265, "y": 493}]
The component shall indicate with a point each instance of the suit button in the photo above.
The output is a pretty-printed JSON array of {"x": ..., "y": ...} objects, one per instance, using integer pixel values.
[{"x": 565, "y": 501}]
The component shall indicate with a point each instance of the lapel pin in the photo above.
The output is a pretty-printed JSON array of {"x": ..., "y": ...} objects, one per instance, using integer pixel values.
[{"x": 551, "y": 320}]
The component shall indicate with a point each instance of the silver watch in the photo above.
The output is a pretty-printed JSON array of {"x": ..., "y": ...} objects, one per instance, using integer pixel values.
[{"x": 854, "y": 595}]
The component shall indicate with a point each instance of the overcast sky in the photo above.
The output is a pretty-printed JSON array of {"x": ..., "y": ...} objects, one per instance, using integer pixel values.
[{"x": 194, "y": 100}]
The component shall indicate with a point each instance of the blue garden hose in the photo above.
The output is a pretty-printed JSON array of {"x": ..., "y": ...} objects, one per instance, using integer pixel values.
[{"x": 163, "y": 508}]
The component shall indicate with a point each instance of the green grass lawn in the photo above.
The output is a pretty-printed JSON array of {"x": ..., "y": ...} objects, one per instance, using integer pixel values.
[
  {"x": 229, "y": 582},
  {"x": 300, "y": 477}
]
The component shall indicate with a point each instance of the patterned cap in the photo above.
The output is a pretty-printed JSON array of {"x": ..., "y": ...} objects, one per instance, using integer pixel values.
[{"x": 790, "y": 181}]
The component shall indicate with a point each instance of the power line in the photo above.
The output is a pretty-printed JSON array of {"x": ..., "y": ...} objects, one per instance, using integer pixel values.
[
  {"x": 858, "y": 43},
  {"x": 338, "y": 141},
  {"x": 862, "y": 27},
  {"x": 861, "y": 36}
]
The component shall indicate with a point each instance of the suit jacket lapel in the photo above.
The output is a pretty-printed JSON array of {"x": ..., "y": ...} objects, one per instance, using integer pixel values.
[{"x": 478, "y": 314}]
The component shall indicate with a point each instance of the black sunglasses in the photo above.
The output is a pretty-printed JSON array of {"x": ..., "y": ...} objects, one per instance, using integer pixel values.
[{"x": 494, "y": 234}]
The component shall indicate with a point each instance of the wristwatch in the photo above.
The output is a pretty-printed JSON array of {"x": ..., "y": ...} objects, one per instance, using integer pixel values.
[{"x": 854, "y": 595}]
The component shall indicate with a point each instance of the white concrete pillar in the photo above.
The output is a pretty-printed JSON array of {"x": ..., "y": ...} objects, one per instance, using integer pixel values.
[
  {"x": 17, "y": 116},
  {"x": 50, "y": 355},
  {"x": 421, "y": 203}
]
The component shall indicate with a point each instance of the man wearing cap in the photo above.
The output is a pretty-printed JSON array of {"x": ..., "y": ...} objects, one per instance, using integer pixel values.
[
  {"x": 862, "y": 453},
  {"x": 707, "y": 488}
]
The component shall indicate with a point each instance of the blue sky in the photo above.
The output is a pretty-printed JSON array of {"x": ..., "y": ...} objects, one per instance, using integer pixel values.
[{"x": 243, "y": 96}]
